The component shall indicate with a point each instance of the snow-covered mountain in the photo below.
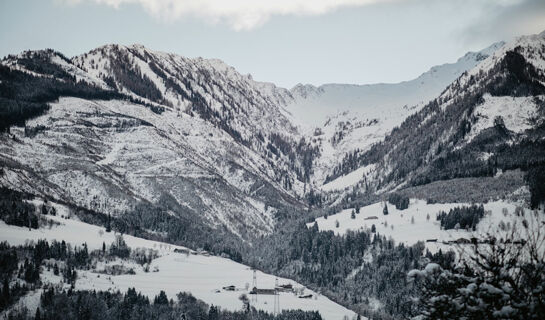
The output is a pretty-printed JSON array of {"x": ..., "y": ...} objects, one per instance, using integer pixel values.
[
  {"x": 191, "y": 152},
  {"x": 488, "y": 119},
  {"x": 351, "y": 118},
  {"x": 130, "y": 128},
  {"x": 191, "y": 136},
  {"x": 313, "y": 105}
]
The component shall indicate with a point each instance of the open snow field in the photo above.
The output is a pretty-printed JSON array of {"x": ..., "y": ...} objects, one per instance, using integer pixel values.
[
  {"x": 398, "y": 223},
  {"x": 203, "y": 276}
]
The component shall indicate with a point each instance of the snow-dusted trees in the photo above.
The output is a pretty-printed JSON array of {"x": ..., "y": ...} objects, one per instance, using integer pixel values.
[
  {"x": 15, "y": 211},
  {"x": 119, "y": 248},
  {"x": 535, "y": 177},
  {"x": 401, "y": 202},
  {"x": 463, "y": 217},
  {"x": 498, "y": 280}
]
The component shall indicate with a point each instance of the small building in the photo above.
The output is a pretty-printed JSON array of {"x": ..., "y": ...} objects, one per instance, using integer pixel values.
[
  {"x": 263, "y": 291},
  {"x": 229, "y": 288},
  {"x": 182, "y": 250},
  {"x": 285, "y": 287},
  {"x": 462, "y": 241}
]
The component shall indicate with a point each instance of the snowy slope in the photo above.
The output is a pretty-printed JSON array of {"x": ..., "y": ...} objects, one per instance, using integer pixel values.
[
  {"x": 199, "y": 144},
  {"x": 203, "y": 276},
  {"x": 247, "y": 105},
  {"x": 219, "y": 146},
  {"x": 110, "y": 155},
  {"x": 313, "y": 105},
  {"x": 467, "y": 104},
  {"x": 399, "y": 225},
  {"x": 354, "y": 117}
]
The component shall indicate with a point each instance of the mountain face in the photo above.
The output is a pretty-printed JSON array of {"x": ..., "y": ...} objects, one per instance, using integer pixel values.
[
  {"x": 314, "y": 105},
  {"x": 351, "y": 118},
  {"x": 488, "y": 120},
  {"x": 189, "y": 136},
  {"x": 135, "y": 133}
]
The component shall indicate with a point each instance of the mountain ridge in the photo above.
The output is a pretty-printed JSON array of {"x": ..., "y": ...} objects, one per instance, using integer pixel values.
[{"x": 198, "y": 123}]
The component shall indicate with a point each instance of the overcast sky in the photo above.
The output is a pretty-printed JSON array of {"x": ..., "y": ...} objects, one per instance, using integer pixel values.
[{"x": 281, "y": 41}]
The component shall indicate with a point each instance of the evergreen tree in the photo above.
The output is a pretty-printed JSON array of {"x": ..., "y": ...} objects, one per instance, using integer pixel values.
[
  {"x": 6, "y": 296},
  {"x": 161, "y": 298},
  {"x": 213, "y": 313},
  {"x": 108, "y": 224}
]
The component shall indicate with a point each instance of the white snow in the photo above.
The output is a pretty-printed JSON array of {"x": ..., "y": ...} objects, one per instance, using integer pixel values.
[
  {"x": 201, "y": 275},
  {"x": 312, "y": 105},
  {"x": 397, "y": 224},
  {"x": 516, "y": 113},
  {"x": 348, "y": 180}
]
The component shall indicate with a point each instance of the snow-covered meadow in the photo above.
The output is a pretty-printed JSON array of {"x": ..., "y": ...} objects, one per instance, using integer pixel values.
[
  {"x": 412, "y": 224},
  {"x": 203, "y": 276}
]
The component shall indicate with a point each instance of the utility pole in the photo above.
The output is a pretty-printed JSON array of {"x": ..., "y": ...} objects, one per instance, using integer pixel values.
[
  {"x": 254, "y": 286},
  {"x": 276, "y": 310}
]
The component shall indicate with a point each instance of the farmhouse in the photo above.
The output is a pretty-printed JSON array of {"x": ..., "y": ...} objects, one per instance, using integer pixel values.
[
  {"x": 263, "y": 291},
  {"x": 285, "y": 287},
  {"x": 182, "y": 250}
]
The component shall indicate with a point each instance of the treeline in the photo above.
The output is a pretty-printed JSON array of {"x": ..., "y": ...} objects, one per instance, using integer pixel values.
[
  {"x": 184, "y": 229},
  {"x": 401, "y": 202},
  {"x": 353, "y": 270},
  {"x": 104, "y": 305},
  {"x": 461, "y": 217},
  {"x": 20, "y": 266},
  {"x": 14, "y": 210},
  {"x": 24, "y": 96}
]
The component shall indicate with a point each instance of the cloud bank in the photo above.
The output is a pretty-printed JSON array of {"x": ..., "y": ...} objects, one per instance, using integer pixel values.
[
  {"x": 238, "y": 14},
  {"x": 506, "y": 19}
]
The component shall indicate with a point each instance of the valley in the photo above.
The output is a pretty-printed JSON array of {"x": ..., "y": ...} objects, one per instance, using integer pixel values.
[{"x": 170, "y": 174}]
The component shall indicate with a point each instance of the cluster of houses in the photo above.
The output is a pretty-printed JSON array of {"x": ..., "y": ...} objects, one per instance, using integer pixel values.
[
  {"x": 281, "y": 288},
  {"x": 476, "y": 241},
  {"x": 193, "y": 252},
  {"x": 265, "y": 291},
  {"x": 270, "y": 291}
]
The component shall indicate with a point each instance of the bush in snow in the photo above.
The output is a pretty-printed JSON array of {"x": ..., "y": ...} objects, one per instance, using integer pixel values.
[
  {"x": 401, "y": 202},
  {"x": 461, "y": 217},
  {"x": 499, "y": 280}
]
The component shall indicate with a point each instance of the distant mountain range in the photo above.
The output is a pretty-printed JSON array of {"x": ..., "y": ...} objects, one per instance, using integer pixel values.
[{"x": 128, "y": 131}]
